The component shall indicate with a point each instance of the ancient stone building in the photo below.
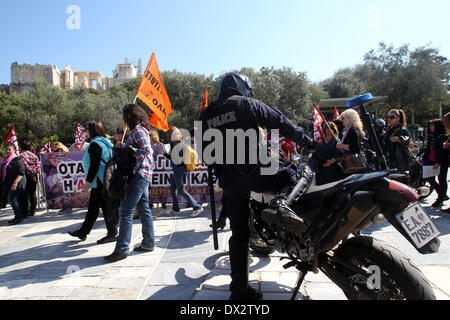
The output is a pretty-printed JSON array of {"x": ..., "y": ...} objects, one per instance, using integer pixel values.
[
  {"x": 122, "y": 72},
  {"x": 23, "y": 76}
]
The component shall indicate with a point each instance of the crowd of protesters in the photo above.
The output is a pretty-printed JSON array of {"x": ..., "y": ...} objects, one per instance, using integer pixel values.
[
  {"x": 396, "y": 143},
  {"x": 20, "y": 171}
]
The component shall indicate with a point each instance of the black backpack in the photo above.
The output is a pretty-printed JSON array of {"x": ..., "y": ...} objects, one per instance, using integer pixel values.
[{"x": 123, "y": 162}]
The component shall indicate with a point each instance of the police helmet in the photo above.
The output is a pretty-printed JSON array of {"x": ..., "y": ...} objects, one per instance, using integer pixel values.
[
  {"x": 380, "y": 122},
  {"x": 237, "y": 82}
]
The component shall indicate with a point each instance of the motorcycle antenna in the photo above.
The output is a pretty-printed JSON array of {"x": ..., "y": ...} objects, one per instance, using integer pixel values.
[{"x": 360, "y": 101}]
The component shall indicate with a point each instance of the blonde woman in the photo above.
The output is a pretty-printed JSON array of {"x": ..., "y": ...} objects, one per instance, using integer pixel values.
[
  {"x": 177, "y": 178},
  {"x": 353, "y": 132}
]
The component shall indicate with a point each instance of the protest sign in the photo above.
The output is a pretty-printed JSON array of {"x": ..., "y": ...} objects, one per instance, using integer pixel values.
[
  {"x": 195, "y": 182},
  {"x": 63, "y": 177}
]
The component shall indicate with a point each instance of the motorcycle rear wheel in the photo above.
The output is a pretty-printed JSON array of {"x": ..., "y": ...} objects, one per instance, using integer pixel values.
[{"x": 400, "y": 277}]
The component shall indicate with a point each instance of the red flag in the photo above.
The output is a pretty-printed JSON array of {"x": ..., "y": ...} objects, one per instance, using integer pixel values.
[
  {"x": 46, "y": 148},
  {"x": 204, "y": 101},
  {"x": 336, "y": 115},
  {"x": 12, "y": 138},
  {"x": 80, "y": 137},
  {"x": 318, "y": 120}
]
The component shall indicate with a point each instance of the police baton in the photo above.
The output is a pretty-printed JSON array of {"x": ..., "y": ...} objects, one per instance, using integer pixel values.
[{"x": 213, "y": 207}]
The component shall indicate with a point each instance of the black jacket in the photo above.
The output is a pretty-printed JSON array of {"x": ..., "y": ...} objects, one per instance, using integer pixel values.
[
  {"x": 441, "y": 153},
  {"x": 353, "y": 139},
  {"x": 238, "y": 112},
  {"x": 15, "y": 168}
]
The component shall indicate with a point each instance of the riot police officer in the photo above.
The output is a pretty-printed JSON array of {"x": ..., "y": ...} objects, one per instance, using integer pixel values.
[{"x": 235, "y": 109}]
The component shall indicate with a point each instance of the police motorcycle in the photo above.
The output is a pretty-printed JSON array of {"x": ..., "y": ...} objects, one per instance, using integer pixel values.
[{"x": 334, "y": 216}]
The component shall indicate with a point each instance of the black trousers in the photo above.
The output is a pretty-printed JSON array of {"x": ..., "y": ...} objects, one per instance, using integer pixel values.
[
  {"x": 237, "y": 188},
  {"x": 110, "y": 209},
  {"x": 442, "y": 186},
  {"x": 30, "y": 201}
]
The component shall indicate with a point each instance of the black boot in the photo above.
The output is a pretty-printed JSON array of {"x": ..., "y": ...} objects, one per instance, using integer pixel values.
[
  {"x": 241, "y": 290},
  {"x": 78, "y": 234},
  {"x": 239, "y": 286},
  {"x": 107, "y": 239}
]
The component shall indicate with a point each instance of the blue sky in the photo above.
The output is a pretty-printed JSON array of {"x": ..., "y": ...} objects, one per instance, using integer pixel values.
[{"x": 212, "y": 37}]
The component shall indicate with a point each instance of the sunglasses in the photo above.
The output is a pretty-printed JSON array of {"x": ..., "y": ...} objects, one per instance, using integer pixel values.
[{"x": 392, "y": 117}]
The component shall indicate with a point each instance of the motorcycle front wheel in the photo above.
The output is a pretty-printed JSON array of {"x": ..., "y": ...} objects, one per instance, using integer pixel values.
[
  {"x": 260, "y": 247},
  {"x": 398, "y": 277}
]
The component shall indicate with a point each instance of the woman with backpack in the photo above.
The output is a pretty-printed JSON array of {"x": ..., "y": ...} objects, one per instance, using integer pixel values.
[
  {"x": 95, "y": 159},
  {"x": 137, "y": 121}
]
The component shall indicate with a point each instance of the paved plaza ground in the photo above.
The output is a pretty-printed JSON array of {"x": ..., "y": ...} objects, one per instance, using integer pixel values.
[{"x": 39, "y": 260}]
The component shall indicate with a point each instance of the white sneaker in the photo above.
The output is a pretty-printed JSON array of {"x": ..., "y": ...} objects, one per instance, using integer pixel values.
[{"x": 197, "y": 212}]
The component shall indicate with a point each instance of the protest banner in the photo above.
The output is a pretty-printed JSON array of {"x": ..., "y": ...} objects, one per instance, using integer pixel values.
[
  {"x": 318, "y": 120},
  {"x": 336, "y": 114},
  {"x": 196, "y": 182},
  {"x": 81, "y": 137},
  {"x": 63, "y": 178},
  {"x": 12, "y": 138}
]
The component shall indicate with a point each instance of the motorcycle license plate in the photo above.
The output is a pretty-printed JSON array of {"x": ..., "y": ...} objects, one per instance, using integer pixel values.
[{"x": 417, "y": 225}]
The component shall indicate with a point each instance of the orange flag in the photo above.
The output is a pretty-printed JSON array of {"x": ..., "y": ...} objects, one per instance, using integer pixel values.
[
  {"x": 153, "y": 93},
  {"x": 204, "y": 101}
]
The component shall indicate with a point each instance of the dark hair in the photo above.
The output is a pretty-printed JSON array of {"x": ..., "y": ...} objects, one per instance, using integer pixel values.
[
  {"x": 120, "y": 130},
  {"x": 339, "y": 124},
  {"x": 439, "y": 127},
  {"x": 96, "y": 129},
  {"x": 134, "y": 115},
  {"x": 333, "y": 128},
  {"x": 26, "y": 145},
  {"x": 11, "y": 145}
]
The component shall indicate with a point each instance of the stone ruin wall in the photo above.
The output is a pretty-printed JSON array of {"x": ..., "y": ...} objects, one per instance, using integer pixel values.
[{"x": 23, "y": 76}]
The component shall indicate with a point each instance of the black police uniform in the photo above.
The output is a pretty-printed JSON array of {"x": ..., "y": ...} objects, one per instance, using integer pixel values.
[{"x": 237, "y": 181}]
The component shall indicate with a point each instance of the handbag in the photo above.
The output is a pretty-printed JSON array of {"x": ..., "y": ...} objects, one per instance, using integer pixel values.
[{"x": 353, "y": 163}]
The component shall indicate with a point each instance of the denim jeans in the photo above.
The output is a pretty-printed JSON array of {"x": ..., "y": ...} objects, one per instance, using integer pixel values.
[
  {"x": 177, "y": 189},
  {"x": 15, "y": 199},
  {"x": 137, "y": 196}
]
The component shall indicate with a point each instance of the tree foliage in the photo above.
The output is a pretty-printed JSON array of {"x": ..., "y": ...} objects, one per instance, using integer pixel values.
[{"x": 414, "y": 80}]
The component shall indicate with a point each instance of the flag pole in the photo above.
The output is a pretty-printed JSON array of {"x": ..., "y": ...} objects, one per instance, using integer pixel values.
[
  {"x": 213, "y": 207},
  {"x": 124, "y": 133}
]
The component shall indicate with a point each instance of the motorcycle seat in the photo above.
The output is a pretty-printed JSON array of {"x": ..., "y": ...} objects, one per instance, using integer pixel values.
[{"x": 317, "y": 193}]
